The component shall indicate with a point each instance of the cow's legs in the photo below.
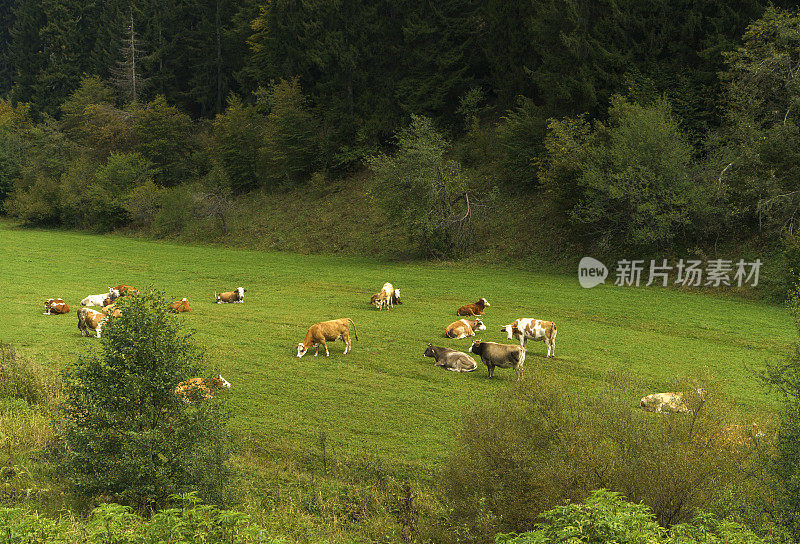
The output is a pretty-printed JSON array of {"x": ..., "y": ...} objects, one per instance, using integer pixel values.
[
  {"x": 317, "y": 351},
  {"x": 551, "y": 349},
  {"x": 491, "y": 371},
  {"x": 325, "y": 345},
  {"x": 346, "y": 339}
]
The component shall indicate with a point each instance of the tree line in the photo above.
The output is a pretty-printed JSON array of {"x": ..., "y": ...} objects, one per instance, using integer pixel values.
[{"x": 639, "y": 127}]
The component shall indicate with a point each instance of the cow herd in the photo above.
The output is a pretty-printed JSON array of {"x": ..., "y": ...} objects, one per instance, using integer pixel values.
[{"x": 492, "y": 354}]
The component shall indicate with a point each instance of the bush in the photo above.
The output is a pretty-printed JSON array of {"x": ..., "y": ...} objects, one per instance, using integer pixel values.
[
  {"x": 127, "y": 435},
  {"x": 27, "y": 381},
  {"x": 534, "y": 447}
]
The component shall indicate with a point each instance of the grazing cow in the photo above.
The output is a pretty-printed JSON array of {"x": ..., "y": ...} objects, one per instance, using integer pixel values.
[
  {"x": 525, "y": 328},
  {"x": 126, "y": 290},
  {"x": 111, "y": 310},
  {"x": 236, "y": 295},
  {"x": 499, "y": 355},
  {"x": 673, "y": 402},
  {"x": 387, "y": 297},
  {"x": 55, "y": 306},
  {"x": 457, "y": 361},
  {"x": 199, "y": 388},
  {"x": 327, "y": 331},
  {"x": 90, "y": 319},
  {"x": 98, "y": 300},
  {"x": 463, "y": 328},
  {"x": 476, "y": 308},
  {"x": 180, "y": 306},
  {"x": 379, "y": 300}
]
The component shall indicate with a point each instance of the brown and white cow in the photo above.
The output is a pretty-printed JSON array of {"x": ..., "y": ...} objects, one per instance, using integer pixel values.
[
  {"x": 673, "y": 402},
  {"x": 463, "y": 328},
  {"x": 126, "y": 290},
  {"x": 237, "y": 295},
  {"x": 535, "y": 329},
  {"x": 199, "y": 388},
  {"x": 387, "y": 297},
  {"x": 111, "y": 310},
  {"x": 55, "y": 306},
  {"x": 180, "y": 306},
  {"x": 327, "y": 331},
  {"x": 457, "y": 361},
  {"x": 98, "y": 300},
  {"x": 499, "y": 355},
  {"x": 89, "y": 319},
  {"x": 476, "y": 308}
]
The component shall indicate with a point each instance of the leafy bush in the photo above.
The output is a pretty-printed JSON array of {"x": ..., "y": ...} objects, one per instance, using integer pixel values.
[
  {"x": 164, "y": 139},
  {"x": 127, "y": 434},
  {"x": 534, "y": 446}
]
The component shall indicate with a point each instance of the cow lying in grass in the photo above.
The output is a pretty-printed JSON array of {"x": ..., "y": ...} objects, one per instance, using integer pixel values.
[
  {"x": 180, "y": 306},
  {"x": 476, "y": 308},
  {"x": 463, "y": 328},
  {"x": 200, "y": 389},
  {"x": 536, "y": 329},
  {"x": 327, "y": 331},
  {"x": 457, "y": 361},
  {"x": 673, "y": 402},
  {"x": 98, "y": 300},
  {"x": 126, "y": 290},
  {"x": 55, "y": 306},
  {"x": 230, "y": 297},
  {"x": 111, "y": 310},
  {"x": 89, "y": 319},
  {"x": 499, "y": 355}
]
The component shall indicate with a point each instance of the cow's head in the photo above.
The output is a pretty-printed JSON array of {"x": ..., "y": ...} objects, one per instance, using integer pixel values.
[
  {"x": 479, "y": 326},
  {"x": 484, "y": 302},
  {"x": 475, "y": 347},
  {"x": 301, "y": 349},
  {"x": 113, "y": 293},
  {"x": 509, "y": 330},
  {"x": 241, "y": 291},
  {"x": 429, "y": 351},
  {"x": 221, "y": 382}
]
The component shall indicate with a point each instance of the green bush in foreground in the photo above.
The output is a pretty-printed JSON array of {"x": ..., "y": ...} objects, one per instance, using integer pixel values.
[
  {"x": 191, "y": 521},
  {"x": 606, "y": 517},
  {"x": 128, "y": 437}
]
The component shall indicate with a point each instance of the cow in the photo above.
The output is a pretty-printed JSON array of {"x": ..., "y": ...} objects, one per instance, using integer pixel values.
[
  {"x": 236, "y": 295},
  {"x": 126, "y": 290},
  {"x": 463, "y": 328},
  {"x": 499, "y": 355},
  {"x": 673, "y": 402},
  {"x": 457, "y": 361},
  {"x": 98, "y": 300},
  {"x": 327, "y": 331},
  {"x": 111, "y": 310},
  {"x": 387, "y": 297},
  {"x": 476, "y": 308},
  {"x": 199, "y": 388},
  {"x": 90, "y": 319},
  {"x": 55, "y": 306},
  {"x": 180, "y": 306},
  {"x": 379, "y": 300},
  {"x": 536, "y": 329}
]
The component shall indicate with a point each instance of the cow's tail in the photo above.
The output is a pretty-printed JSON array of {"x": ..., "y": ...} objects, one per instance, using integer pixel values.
[
  {"x": 355, "y": 333},
  {"x": 215, "y": 296}
]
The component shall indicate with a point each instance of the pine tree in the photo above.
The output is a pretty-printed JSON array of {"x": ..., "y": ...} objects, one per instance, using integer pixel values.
[{"x": 127, "y": 75}]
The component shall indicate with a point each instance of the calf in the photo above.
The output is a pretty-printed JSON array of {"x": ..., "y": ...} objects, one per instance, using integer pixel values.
[
  {"x": 327, "y": 331},
  {"x": 199, "y": 388},
  {"x": 387, "y": 297},
  {"x": 98, "y": 300},
  {"x": 499, "y": 355},
  {"x": 236, "y": 295},
  {"x": 463, "y": 328},
  {"x": 180, "y": 306},
  {"x": 476, "y": 308},
  {"x": 90, "y": 319},
  {"x": 536, "y": 329},
  {"x": 55, "y": 306},
  {"x": 457, "y": 361},
  {"x": 673, "y": 402},
  {"x": 379, "y": 300}
]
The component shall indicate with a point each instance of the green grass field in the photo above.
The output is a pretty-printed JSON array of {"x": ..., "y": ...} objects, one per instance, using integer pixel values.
[{"x": 384, "y": 399}]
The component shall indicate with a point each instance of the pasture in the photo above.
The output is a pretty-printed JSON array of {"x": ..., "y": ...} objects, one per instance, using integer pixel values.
[{"x": 384, "y": 398}]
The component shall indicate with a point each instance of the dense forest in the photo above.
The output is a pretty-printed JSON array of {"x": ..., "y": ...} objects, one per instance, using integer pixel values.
[{"x": 666, "y": 127}]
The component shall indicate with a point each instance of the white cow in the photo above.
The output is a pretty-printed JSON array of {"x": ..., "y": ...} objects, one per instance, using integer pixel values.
[{"x": 97, "y": 300}]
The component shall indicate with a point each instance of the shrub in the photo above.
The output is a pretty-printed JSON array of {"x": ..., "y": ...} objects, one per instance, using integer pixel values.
[
  {"x": 24, "y": 380},
  {"x": 534, "y": 447},
  {"x": 127, "y": 434}
]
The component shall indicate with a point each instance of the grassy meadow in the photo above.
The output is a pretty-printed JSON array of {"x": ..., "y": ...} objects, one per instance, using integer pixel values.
[{"x": 384, "y": 399}]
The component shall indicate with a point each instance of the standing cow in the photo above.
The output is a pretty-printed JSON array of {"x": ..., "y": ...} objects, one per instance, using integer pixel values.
[
  {"x": 536, "y": 329},
  {"x": 499, "y": 355},
  {"x": 327, "y": 331}
]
